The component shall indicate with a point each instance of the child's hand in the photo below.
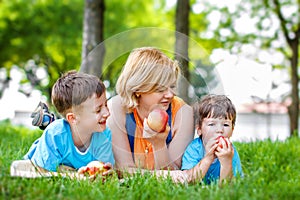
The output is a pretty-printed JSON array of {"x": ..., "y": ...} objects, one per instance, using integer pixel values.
[
  {"x": 96, "y": 168},
  {"x": 210, "y": 149},
  {"x": 224, "y": 151}
]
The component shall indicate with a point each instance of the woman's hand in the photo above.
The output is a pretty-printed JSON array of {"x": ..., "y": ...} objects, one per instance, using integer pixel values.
[{"x": 156, "y": 139}]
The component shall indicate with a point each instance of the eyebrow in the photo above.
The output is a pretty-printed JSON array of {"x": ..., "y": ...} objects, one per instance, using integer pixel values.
[{"x": 214, "y": 119}]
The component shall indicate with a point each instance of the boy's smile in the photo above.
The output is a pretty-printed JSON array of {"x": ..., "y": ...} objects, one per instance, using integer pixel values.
[{"x": 93, "y": 114}]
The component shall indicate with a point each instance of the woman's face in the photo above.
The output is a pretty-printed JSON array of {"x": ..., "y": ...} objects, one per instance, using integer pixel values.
[{"x": 161, "y": 97}]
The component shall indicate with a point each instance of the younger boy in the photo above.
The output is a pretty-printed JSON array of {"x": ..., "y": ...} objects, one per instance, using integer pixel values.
[
  {"x": 212, "y": 156},
  {"x": 81, "y": 136}
]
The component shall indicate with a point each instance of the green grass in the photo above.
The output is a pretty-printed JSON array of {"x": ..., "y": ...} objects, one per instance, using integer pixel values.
[{"x": 272, "y": 171}]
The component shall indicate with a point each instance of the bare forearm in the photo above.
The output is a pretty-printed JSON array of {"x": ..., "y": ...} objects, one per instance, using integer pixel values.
[
  {"x": 199, "y": 171},
  {"x": 162, "y": 158},
  {"x": 226, "y": 172}
]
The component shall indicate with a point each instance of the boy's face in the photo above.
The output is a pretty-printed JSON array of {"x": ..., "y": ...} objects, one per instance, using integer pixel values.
[
  {"x": 93, "y": 114},
  {"x": 212, "y": 128}
]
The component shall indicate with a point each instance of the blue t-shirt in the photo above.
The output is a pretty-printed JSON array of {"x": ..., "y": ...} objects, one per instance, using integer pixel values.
[
  {"x": 195, "y": 152},
  {"x": 56, "y": 147}
]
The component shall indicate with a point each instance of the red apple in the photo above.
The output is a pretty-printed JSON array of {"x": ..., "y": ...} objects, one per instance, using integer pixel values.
[
  {"x": 96, "y": 167},
  {"x": 219, "y": 142},
  {"x": 157, "y": 120}
]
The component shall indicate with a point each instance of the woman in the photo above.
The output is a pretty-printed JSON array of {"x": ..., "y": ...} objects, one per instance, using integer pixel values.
[{"x": 149, "y": 79}]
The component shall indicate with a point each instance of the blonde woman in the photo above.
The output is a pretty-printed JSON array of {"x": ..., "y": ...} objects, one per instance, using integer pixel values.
[{"x": 149, "y": 79}]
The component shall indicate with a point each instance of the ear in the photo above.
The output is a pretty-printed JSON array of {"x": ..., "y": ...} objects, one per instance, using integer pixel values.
[
  {"x": 199, "y": 132},
  {"x": 71, "y": 118}
]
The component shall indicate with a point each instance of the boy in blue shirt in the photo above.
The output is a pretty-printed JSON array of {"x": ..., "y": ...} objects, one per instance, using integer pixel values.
[
  {"x": 81, "y": 136},
  {"x": 212, "y": 156}
]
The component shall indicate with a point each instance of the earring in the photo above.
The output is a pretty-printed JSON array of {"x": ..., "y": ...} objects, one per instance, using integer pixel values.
[{"x": 137, "y": 95}]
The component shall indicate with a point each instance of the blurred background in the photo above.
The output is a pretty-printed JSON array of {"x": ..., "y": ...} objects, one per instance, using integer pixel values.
[{"x": 245, "y": 49}]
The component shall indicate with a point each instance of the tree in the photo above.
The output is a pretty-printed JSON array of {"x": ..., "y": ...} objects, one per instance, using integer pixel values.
[
  {"x": 291, "y": 32},
  {"x": 277, "y": 29},
  {"x": 181, "y": 44},
  {"x": 48, "y": 32},
  {"x": 93, "y": 35}
]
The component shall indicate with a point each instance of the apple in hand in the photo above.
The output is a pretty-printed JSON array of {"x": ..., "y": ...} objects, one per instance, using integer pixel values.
[
  {"x": 219, "y": 141},
  {"x": 157, "y": 120},
  {"x": 96, "y": 167}
]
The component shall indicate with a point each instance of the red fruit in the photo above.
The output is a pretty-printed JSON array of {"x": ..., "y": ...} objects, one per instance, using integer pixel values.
[
  {"x": 96, "y": 167},
  {"x": 219, "y": 142},
  {"x": 157, "y": 120}
]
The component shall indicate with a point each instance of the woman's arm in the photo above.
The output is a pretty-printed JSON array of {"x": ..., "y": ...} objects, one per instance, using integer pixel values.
[
  {"x": 184, "y": 133},
  {"x": 120, "y": 143}
]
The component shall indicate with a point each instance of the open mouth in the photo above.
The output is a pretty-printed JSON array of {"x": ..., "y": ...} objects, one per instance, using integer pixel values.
[{"x": 102, "y": 122}]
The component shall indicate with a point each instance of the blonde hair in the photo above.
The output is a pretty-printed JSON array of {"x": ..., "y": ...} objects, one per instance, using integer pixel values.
[{"x": 146, "y": 70}]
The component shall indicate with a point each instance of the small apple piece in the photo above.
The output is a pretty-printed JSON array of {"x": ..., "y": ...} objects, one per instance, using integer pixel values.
[
  {"x": 157, "y": 120},
  {"x": 96, "y": 167},
  {"x": 219, "y": 142}
]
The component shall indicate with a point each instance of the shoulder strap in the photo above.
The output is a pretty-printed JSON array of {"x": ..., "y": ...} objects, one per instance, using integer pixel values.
[
  {"x": 169, "y": 138},
  {"x": 130, "y": 126}
]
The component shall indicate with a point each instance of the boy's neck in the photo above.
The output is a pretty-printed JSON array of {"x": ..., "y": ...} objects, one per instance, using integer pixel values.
[{"x": 81, "y": 141}]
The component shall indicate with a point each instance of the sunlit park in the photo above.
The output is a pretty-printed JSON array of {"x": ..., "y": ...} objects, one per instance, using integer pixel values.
[{"x": 247, "y": 50}]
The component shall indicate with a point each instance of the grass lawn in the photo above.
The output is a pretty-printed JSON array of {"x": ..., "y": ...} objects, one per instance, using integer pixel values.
[{"x": 272, "y": 171}]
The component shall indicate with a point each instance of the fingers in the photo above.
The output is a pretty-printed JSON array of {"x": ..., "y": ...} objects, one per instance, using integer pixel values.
[
  {"x": 153, "y": 136},
  {"x": 179, "y": 177},
  {"x": 109, "y": 169},
  {"x": 148, "y": 132},
  {"x": 107, "y": 165},
  {"x": 82, "y": 170},
  {"x": 108, "y": 172},
  {"x": 167, "y": 130},
  {"x": 226, "y": 151}
]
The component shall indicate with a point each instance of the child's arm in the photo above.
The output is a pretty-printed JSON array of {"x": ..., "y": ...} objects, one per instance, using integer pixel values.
[
  {"x": 225, "y": 156},
  {"x": 26, "y": 169},
  {"x": 199, "y": 171}
]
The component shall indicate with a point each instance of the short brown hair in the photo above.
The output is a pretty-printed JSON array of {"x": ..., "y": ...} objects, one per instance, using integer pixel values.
[
  {"x": 73, "y": 88},
  {"x": 214, "y": 106}
]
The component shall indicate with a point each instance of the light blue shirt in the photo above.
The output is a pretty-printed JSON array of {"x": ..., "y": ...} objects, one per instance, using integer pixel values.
[
  {"x": 195, "y": 152},
  {"x": 56, "y": 147}
]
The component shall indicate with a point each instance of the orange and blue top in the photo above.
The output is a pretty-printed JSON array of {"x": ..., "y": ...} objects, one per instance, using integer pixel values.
[{"x": 141, "y": 149}]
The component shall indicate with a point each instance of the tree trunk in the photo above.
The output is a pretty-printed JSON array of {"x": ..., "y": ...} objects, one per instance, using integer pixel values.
[
  {"x": 93, "y": 53},
  {"x": 294, "y": 107},
  {"x": 181, "y": 45},
  {"x": 293, "y": 43}
]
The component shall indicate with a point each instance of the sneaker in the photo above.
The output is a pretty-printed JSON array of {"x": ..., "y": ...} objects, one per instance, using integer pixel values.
[{"x": 41, "y": 116}]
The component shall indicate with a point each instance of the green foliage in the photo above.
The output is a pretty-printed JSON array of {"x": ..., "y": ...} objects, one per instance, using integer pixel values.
[
  {"x": 271, "y": 172},
  {"x": 50, "y": 32}
]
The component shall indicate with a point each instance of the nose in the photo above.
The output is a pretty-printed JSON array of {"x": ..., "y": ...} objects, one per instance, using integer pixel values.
[
  {"x": 219, "y": 128},
  {"x": 169, "y": 93},
  {"x": 105, "y": 112}
]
